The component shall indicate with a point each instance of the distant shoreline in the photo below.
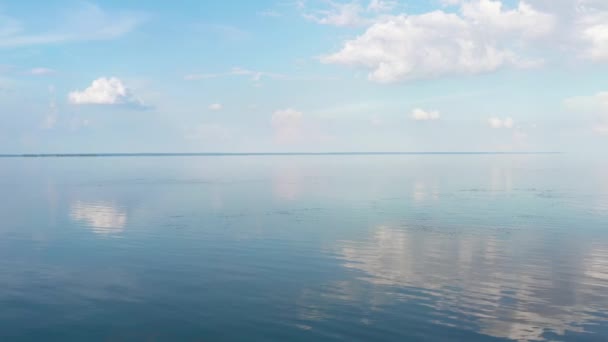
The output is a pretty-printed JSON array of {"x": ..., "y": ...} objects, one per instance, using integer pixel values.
[{"x": 90, "y": 155}]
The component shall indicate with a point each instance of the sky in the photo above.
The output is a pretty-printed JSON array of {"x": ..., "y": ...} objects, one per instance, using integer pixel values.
[{"x": 119, "y": 76}]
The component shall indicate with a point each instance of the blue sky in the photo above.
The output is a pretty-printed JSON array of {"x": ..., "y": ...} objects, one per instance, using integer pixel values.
[{"x": 316, "y": 75}]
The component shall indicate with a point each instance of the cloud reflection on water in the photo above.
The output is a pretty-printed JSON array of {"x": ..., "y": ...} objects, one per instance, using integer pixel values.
[
  {"x": 517, "y": 293},
  {"x": 103, "y": 218}
]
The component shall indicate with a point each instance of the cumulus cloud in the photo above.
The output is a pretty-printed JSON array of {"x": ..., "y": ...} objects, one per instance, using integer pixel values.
[
  {"x": 423, "y": 115},
  {"x": 470, "y": 37},
  {"x": 287, "y": 125},
  {"x": 501, "y": 123},
  {"x": 491, "y": 16},
  {"x": 216, "y": 107},
  {"x": 478, "y": 39},
  {"x": 582, "y": 29},
  {"x": 596, "y": 35},
  {"x": 105, "y": 91}
]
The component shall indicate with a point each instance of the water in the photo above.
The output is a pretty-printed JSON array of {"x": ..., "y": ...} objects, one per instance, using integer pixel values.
[{"x": 316, "y": 248}]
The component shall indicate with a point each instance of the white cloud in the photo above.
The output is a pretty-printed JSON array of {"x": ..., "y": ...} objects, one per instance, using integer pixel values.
[
  {"x": 434, "y": 44},
  {"x": 255, "y": 76},
  {"x": 582, "y": 30},
  {"x": 84, "y": 23},
  {"x": 586, "y": 23},
  {"x": 481, "y": 38},
  {"x": 105, "y": 91},
  {"x": 41, "y": 72},
  {"x": 349, "y": 14},
  {"x": 501, "y": 123},
  {"x": 491, "y": 16},
  {"x": 339, "y": 14},
  {"x": 597, "y": 37},
  {"x": 216, "y": 107},
  {"x": 422, "y": 115},
  {"x": 287, "y": 124}
]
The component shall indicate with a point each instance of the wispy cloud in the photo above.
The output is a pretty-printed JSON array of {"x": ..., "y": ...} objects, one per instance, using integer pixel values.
[
  {"x": 84, "y": 23},
  {"x": 382, "y": 5},
  {"x": 346, "y": 14},
  {"x": 339, "y": 14},
  {"x": 254, "y": 75},
  {"x": 237, "y": 71},
  {"x": 41, "y": 72}
]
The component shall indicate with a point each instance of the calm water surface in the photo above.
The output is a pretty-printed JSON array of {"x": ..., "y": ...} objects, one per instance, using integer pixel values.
[{"x": 316, "y": 248}]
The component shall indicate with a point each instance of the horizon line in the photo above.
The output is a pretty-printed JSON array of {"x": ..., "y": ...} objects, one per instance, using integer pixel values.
[{"x": 228, "y": 154}]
